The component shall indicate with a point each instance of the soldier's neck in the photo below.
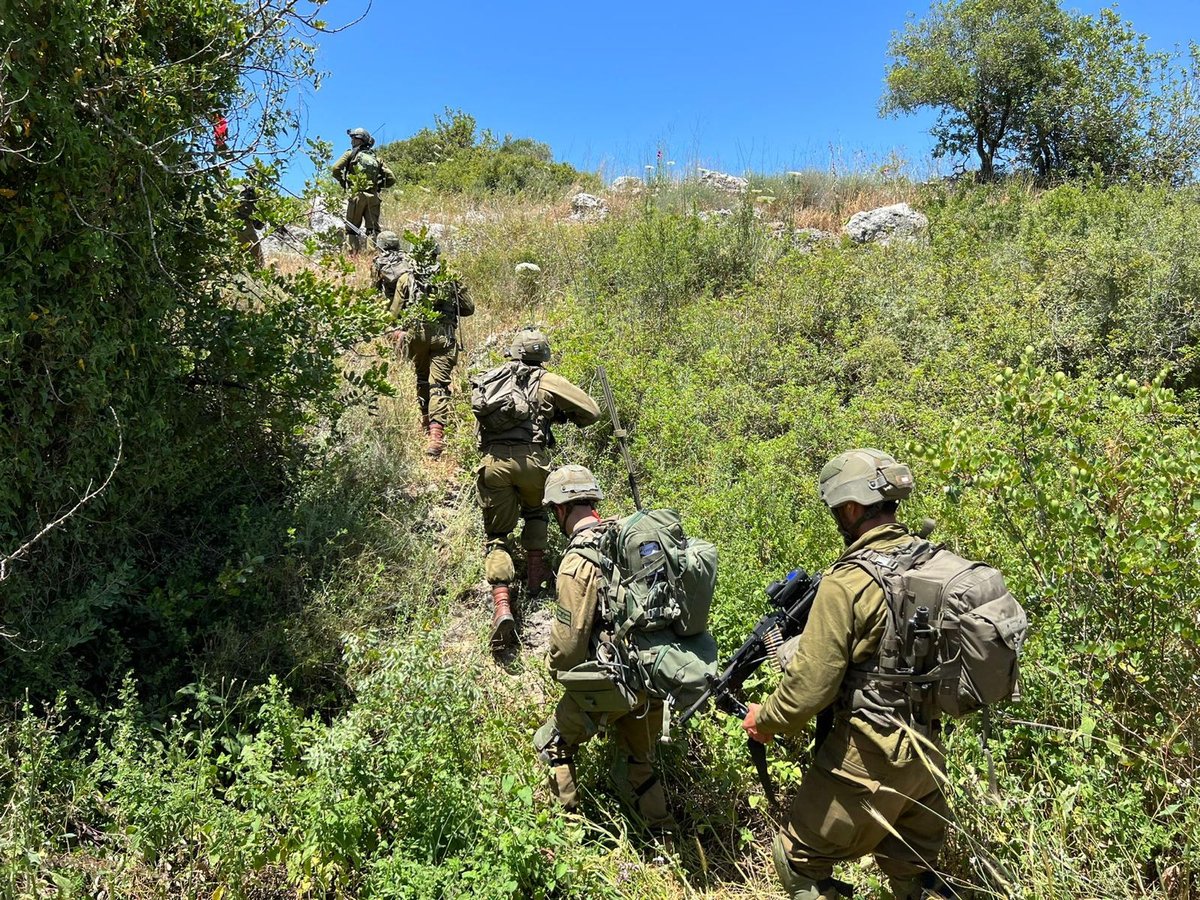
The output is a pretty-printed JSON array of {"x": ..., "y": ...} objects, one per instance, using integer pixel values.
[{"x": 581, "y": 517}]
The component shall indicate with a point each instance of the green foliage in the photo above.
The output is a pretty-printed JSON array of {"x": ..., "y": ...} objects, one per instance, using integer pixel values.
[
  {"x": 1055, "y": 92},
  {"x": 451, "y": 157},
  {"x": 125, "y": 318}
]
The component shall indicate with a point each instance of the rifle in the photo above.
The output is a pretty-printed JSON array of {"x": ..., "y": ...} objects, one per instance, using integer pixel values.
[
  {"x": 792, "y": 599},
  {"x": 620, "y": 434},
  {"x": 357, "y": 229}
]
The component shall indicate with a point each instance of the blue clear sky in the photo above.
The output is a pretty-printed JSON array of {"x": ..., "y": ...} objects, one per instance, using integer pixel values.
[{"x": 769, "y": 86}]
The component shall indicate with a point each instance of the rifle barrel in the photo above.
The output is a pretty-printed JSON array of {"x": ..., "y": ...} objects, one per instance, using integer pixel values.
[{"x": 620, "y": 434}]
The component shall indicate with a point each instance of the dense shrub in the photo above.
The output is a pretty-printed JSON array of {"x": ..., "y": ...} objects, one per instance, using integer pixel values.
[
  {"x": 452, "y": 157},
  {"x": 127, "y": 318}
]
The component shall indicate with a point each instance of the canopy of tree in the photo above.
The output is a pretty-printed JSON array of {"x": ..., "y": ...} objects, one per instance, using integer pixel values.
[{"x": 1031, "y": 85}]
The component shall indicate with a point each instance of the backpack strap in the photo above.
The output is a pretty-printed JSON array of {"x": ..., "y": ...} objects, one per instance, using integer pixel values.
[{"x": 886, "y": 568}]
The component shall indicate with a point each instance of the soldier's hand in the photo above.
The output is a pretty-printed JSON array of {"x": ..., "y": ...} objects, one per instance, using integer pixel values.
[{"x": 748, "y": 725}]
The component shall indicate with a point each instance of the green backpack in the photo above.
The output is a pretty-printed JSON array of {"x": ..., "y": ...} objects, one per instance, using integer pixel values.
[
  {"x": 506, "y": 398},
  {"x": 657, "y": 593},
  {"x": 379, "y": 175}
]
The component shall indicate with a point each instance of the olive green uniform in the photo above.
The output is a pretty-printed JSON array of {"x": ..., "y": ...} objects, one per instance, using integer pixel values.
[
  {"x": 573, "y": 637},
  {"x": 363, "y": 205},
  {"x": 870, "y": 777},
  {"x": 432, "y": 346},
  {"x": 247, "y": 212},
  {"x": 512, "y": 475}
]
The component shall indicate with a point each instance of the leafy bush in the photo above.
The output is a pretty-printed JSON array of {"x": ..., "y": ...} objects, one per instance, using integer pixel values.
[
  {"x": 128, "y": 321},
  {"x": 453, "y": 158}
]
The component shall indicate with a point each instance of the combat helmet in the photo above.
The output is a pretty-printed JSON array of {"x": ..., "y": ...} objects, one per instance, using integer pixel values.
[
  {"x": 530, "y": 345},
  {"x": 387, "y": 240},
  {"x": 363, "y": 135},
  {"x": 866, "y": 476},
  {"x": 570, "y": 483}
]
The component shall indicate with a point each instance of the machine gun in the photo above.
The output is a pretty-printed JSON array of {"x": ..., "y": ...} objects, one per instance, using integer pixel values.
[{"x": 792, "y": 599}]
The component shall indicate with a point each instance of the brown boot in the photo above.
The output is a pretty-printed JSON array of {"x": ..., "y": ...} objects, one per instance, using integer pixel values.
[
  {"x": 437, "y": 440},
  {"x": 537, "y": 573},
  {"x": 502, "y": 617}
]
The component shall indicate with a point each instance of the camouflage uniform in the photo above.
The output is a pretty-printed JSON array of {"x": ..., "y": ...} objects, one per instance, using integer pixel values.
[
  {"x": 247, "y": 210},
  {"x": 512, "y": 473},
  {"x": 573, "y": 639},
  {"x": 869, "y": 772},
  {"x": 363, "y": 204}
]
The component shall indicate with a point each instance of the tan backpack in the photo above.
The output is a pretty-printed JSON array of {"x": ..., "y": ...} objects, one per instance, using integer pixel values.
[{"x": 953, "y": 629}]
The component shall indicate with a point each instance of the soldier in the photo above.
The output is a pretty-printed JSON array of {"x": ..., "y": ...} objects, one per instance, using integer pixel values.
[
  {"x": 428, "y": 304},
  {"x": 391, "y": 264},
  {"x": 364, "y": 174},
  {"x": 871, "y": 788},
  {"x": 247, "y": 212},
  {"x": 516, "y": 461},
  {"x": 572, "y": 494}
]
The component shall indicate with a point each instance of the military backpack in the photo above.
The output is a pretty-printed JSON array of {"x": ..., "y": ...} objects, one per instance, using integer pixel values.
[
  {"x": 505, "y": 399},
  {"x": 953, "y": 633},
  {"x": 391, "y": 265},
  {"x": 657, "y": 589},
  {"x": 377, "y": 174}
]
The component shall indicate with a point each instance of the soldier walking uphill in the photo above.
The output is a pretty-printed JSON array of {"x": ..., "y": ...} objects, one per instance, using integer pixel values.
[
  {"x": 871, "y": 788},
  {"x": 515, "y": 404},
  {"x": 427, "y": 303},
  {"x": 575, "y": 636},
  {"x": 364, "y": 174}
]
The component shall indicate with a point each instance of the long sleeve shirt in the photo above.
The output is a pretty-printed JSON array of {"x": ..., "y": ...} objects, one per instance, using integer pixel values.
[
  {"x": 845, "y": 627},
  {"x": 578, "y": 587}
]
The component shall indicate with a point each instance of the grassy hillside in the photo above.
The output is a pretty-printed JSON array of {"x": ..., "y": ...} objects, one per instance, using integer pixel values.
[{"x": 1035, "y": 360}]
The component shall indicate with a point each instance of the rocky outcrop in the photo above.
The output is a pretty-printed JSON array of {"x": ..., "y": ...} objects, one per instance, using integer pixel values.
[
  {"x": 722, "y": 181},
  {"x": 588, "y": 208},
  {"x": 627, "y": 184},
  {"x": 887, "y": 224},
  {"x": 292, "y": 239}
]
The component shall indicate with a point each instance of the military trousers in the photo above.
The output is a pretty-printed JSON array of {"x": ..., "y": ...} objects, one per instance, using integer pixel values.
[
  {"x": 870, "y": 790},
  {"x": 362, "y": 211},
  {"x": 635, "y": 733},
  {"x": 510, "y": 482},
  {"x": 434, "y": 356}
]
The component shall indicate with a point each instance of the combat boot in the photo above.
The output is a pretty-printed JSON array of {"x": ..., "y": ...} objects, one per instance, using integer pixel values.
[
  {"x": 537, "y": 573},
  {"x": 437, "y": 440},
  {"x": 562, "y": 783},
  {"x": 927, "y": 884},
  {"x": 502, "y": 617},
  {"x": 801, "y": 887}
]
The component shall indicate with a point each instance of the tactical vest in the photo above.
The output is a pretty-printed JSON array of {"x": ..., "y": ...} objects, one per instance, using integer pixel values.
[{"x": 517, "y": 385}]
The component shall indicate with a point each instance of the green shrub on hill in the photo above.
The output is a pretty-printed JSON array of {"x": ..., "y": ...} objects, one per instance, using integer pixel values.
[
  {"x": 452, "y": 157},
  {"x": 127, "y": 318}
]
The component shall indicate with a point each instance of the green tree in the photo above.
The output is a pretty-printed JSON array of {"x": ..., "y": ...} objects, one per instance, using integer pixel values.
[
  {"x": 1028, "y": 84},
  {"x": 124, "y": 299}
]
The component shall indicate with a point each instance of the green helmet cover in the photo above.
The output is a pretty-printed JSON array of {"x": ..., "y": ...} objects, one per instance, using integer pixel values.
[
  {"x": 570, "y": 483},
  {"x": 866, "y": 476},
  {"x": 530, "y": 345},
  {"x": 387, "y": 240}
]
